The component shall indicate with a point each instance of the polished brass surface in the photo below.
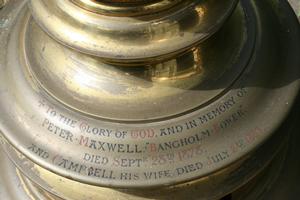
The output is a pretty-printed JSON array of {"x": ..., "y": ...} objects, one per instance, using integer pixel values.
[
  {"x": 125, "y": 2},
  {"x": 87, "y": 84},
  {"x": 40, "y": 180},
  {"x": 60, "y": 188},
  {"x": 144, "y": 39},
  {"x": 172, "y": 101},
  {"x": 126, "y": 8},
  {"x": 2, "y": 2}
]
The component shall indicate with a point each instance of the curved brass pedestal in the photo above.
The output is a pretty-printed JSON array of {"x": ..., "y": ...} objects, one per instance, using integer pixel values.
[{"x": 182, "y": 103}]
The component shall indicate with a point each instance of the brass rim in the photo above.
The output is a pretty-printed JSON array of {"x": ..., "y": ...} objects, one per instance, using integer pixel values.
[
  {"x": 144, "y": 39},
  {"x": 125, "y": 7}
]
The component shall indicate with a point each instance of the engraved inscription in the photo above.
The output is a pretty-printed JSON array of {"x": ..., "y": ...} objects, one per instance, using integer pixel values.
[
  {"x": 155, "y": 152},
  {"x": 175, "y": 144},
  {"x": 39, "y": 151},
  {"x": 60, "y": 132},
  {"x": 109, "y": 147}
]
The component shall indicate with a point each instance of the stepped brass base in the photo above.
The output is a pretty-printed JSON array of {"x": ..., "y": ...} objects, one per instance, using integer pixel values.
[{"x": 223, "y": 101}]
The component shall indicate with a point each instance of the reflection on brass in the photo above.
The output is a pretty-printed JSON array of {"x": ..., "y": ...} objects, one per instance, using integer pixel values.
[
  {"x": 136, "y": 100},
  {"x": 93, "y": 89},
  {"x": 149, "y": 38},
  {"x": 175, "y": 71},
  {"x": 126, "y": 8},
  {"x": 2, "y": 3}
]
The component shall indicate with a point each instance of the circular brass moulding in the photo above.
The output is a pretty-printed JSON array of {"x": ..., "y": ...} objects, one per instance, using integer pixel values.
[
  {"x": 106, "y": 107},
  {"x": 132, "y": 40},
  {"x": 125, "y": 2},
  {"x": 138, "y": 93},
  {"x": 126, "y": 8},
  {"x": 42, "y": 184}
]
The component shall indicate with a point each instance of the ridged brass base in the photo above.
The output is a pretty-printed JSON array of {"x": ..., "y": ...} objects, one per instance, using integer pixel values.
[
  {"x": 256, "y": 188},
  {"x": 106, "y": 106}
]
